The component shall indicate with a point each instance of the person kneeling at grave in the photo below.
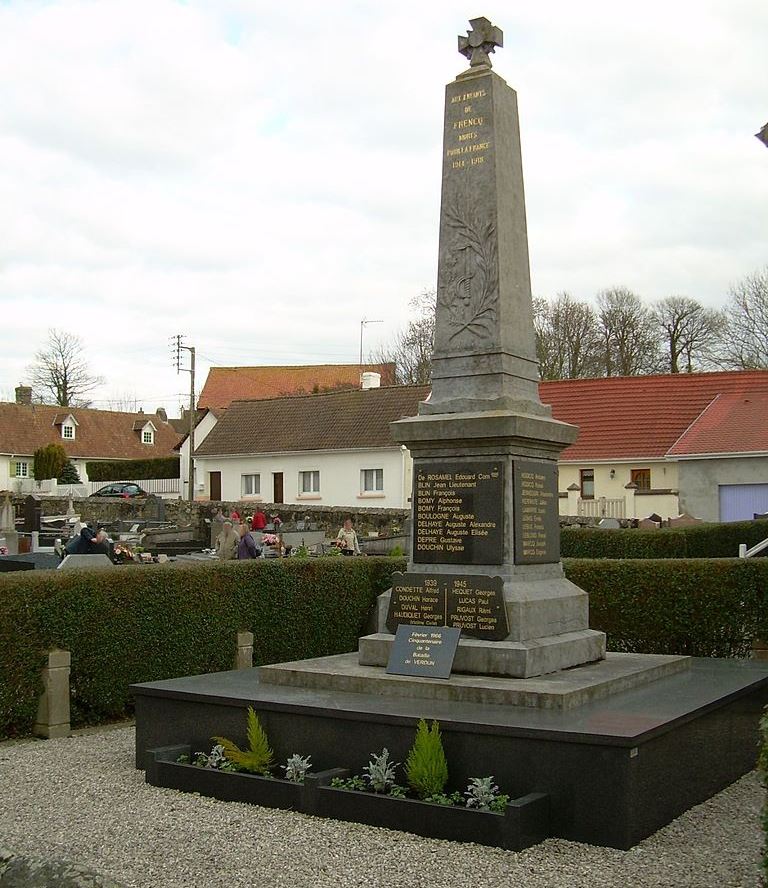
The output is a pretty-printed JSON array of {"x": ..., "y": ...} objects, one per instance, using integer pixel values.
[{"x": 346, "y": 539}]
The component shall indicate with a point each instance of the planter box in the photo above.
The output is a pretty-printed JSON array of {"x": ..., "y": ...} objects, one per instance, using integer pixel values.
[
  {"x": 525, "y": 821},
  {"x": 227, "y": 786}
]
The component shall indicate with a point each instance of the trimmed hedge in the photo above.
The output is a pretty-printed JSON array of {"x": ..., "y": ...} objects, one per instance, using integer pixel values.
[
  {"x": 703, "y": 608},
  {"x": 701, "y": 541},
  {"x": 144, "y": 623},
  {"x": 133, "y": 469}
]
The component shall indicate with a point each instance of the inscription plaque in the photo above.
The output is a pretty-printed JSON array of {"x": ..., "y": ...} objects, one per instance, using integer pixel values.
[
  {"x": 458, "y": 513},
  {"x": 424, "y": 652},
  {"x": 474, "y": 604},
  {"x": 537, "y": 523}
]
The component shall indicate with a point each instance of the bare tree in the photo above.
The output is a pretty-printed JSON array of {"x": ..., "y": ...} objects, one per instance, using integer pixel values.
[
  {"x": 411, "y": 349},
  {"x": 124, "y": 403},
  {"x": 60, "y": 374},
  {"x": 745, "y": 344},
  {"x": 629, "y": 345},
  {"x": 691, "y": 333},
  {"x": 566, "y": 338}
]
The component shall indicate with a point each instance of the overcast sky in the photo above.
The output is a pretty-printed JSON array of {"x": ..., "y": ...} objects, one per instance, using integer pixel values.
[{"x": 262, "y": 176}]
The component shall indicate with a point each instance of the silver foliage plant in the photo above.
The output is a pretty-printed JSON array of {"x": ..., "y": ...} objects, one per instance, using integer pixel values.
[
  {"x": 296, "y": 767},
  {"x": 481, "y": 793},
  {"x": 380, "y": 771}
]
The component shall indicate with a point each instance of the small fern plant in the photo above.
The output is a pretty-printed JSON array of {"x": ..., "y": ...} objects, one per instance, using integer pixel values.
[
  {"x": 380, "y": 771},
  {"x": 258, "y": 758},
  {"x": 426, "y": 767}
]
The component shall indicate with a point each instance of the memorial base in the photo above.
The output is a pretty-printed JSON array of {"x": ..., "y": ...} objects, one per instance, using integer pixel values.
[{"x": 616, "y": 769}]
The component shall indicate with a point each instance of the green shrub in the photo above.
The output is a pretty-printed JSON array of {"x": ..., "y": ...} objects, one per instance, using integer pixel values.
[
  {"x": 700, "y": 541},
  {"x": 426, "y": 768},
  {"x": 69, "y": 474},
  {"x": 144, "y": 623},
  {"x": 704, "y": 608},
  {"x": 49, "y": 461},
  {"x": 133, "y": 469}
]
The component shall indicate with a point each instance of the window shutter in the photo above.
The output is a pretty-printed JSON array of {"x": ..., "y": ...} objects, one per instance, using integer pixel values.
[{"x": 12, "y": 469}]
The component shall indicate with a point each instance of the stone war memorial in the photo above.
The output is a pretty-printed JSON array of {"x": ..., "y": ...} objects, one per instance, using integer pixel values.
[{"x": 483, "y": 633}]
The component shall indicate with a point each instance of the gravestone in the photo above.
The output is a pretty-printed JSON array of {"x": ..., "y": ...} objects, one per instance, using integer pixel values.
[
  {"x": 484, "y": 447},
  {"x": 86, "y": 562},
  {"x": 9, "y": 537}
]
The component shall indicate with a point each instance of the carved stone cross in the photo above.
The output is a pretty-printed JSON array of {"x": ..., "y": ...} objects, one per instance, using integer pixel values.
[{"x": 482, "y": 39}]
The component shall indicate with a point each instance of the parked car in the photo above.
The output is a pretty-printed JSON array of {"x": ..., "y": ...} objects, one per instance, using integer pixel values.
[{"x": 124, "y": 489}]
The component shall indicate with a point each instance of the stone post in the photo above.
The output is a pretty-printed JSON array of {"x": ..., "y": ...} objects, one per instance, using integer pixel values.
[
  {"x": 244, "y": 651},
  {"x": 631, "y": 506},
  {"x": 53, "y": 710},
  {"x": 573, "y": 500}
]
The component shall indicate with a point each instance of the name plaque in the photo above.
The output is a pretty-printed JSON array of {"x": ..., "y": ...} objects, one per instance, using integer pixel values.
[
  {"x": 474, "y": 604},
  {"x": 537, "y": 522},
  {"x": 427, "y": 653},
  {"x": 458, "y": 513}
]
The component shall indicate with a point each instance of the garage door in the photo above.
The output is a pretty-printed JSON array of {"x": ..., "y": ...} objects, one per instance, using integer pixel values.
[{"x": 740, "y": 502}]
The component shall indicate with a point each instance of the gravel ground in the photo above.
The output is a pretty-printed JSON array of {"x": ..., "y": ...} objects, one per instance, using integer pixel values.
[{"x": 81, "y": 798}]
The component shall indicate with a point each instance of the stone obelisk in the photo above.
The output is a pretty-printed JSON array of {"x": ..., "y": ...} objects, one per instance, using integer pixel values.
[{"x": 485, "y": 551}]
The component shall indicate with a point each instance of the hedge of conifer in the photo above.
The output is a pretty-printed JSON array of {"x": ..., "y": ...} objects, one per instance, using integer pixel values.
[
  {"x": 145, "y": 623},
  {"x": 699, "y": 541},
  {"x": 133, "y": 469}
]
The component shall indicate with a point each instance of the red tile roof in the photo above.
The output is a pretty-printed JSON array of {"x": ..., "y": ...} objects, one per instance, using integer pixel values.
[
  {"x": 629, "y": 417},
  {"x": 227, "y": 384},
  {"x": 328, "y": 421},
  {"x": 732, "y": 423},
  {"x": 99, "y": 434}
]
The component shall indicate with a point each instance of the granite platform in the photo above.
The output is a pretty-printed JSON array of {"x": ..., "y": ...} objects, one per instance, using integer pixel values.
[{"x": 616, "y": 768}]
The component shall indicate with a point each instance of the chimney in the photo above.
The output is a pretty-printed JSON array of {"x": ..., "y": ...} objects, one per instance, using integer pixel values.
[
  {"x": 161, "y": 414},
  {"x": 23, "y": 394},
  {"x": 370, "y": 380}
]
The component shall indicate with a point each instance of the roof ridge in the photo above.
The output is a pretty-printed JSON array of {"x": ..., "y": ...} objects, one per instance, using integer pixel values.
[{"x": 334, "y": 392}]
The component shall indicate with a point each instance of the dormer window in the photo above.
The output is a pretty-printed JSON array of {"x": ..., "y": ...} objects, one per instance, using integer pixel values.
[
  {"x": 67, "y": 425},
  {"x": 145, "y": 430}
]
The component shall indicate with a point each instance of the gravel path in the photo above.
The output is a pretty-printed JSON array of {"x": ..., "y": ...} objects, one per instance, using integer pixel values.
[{"x": 80, "y": 798}]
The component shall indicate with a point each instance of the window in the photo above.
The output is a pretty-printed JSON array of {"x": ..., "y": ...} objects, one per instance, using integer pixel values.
[
  {"x": 641, "y": 477},
  {"x": 587, "y": 478},
  {"x": 372, "y": 480},
  {"x": 147, "y": 437},
  {"x": 68, "y": 431},
  {"x": 22, "y": 470},
  {"x": 250, "y": 485},
  {"x": 309, "y": 482}
]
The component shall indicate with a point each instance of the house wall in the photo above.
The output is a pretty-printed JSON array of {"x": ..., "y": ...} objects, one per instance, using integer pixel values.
[
  {"x": 202, "y": 430},
  {"x": 11, "y": 482},
  {"x": 664, "y": 477},
  {"x": 340, "y": 477},
  {"x": 700, "y": 479}
]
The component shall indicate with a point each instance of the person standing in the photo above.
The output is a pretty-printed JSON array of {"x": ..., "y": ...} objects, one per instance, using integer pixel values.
[
  {"x": 247, "y": 547},
  {"x": 346, "y": 539},
  {"x": 227, "y": 542},
  {"x": 259, "y": 520}
]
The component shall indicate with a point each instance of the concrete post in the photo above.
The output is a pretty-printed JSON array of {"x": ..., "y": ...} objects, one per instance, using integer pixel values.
[
  {"x": 631, "y": 505},
  {"x": 244, "y": 652},
  {"x": 53, "y": 710},
  {"x": 573, "y": 500}
]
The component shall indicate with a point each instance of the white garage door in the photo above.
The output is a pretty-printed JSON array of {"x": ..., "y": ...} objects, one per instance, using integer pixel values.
[{"x": 740, "y": 502}]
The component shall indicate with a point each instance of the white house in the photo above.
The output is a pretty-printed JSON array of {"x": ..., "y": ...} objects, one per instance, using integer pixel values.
[{"x": 333, "y": 448}]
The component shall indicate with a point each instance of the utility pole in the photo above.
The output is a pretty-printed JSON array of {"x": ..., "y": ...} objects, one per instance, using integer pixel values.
[{"x": 177, "y": 339}]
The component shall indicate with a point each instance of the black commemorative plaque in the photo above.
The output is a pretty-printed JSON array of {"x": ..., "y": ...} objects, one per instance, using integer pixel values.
[
  {"x": 474, "y": 604},
  {"x": 537, "y": 523},
  {"x": 458, "y": 513},
  {"x": 424, "y": 651}
]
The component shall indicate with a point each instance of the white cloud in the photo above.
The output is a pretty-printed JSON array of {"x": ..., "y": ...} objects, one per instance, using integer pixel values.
[{"x": 263, "y": 176}]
